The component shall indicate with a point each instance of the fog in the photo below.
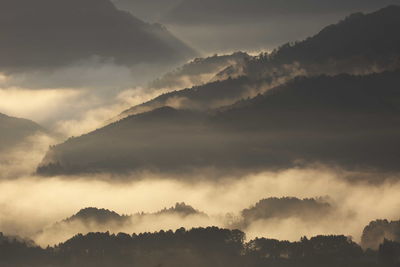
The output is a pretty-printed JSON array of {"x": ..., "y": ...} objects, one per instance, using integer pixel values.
[
  {"x": 96, "y": 73},
  {"x": 30, "y": 204},
  {"x": 276, "y": 145},
  {"x": 77, "y": 99},
  {"x": 80, "y": 98},
  {"x": 23, "y": 159}
]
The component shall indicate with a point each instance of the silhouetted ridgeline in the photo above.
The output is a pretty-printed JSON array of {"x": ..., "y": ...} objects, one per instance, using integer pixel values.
[
  {"x": 193, "y": 72},
  {"x": 180, "y": 209},
  {"x": 41, "y": 34},
  {"x": 146, "y": 10},
  {"x": 288, "y": 207},
  {"x": 361, "y": 43},
  {"x": 345, "y": 120},
  {"x": 203, "y": 97},
  {"x": 350, "y": 121},
  {"x": 101, "y": 220},
  {"x": 198, "y": 247},
  {"x": 99, "y": 216},
  {"x": 310, "y": 211},
  {"x": 13, "y": 131},
  {"x": 193, "y": 75}
]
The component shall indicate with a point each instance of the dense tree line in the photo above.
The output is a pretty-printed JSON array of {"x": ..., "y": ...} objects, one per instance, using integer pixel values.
[
  {"x": 357, "y": 44},
  {"x": 197, "y": 247},
  {"x": 377, "y": 231}
]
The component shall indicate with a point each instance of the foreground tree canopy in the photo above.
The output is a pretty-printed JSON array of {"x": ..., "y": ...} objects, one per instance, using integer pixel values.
[{"x": 197, "y": 247}]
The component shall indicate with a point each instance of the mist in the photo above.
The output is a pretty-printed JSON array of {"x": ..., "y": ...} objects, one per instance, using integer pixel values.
[
  {"x": 31, "y": 204},
  {"x": 74, "y": 100},
  {"x": 199, "y": 133}
]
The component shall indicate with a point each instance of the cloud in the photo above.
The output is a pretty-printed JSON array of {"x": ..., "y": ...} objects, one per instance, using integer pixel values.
[
  {"x": 39, "y": 105},
  {"x": 70, "y": 111}
]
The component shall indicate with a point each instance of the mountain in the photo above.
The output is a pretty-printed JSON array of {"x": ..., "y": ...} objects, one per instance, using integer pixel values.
[
  {"x": 180, "y": 209},
  {"x": 147, "y": 10},
  {"x": 357, "y": 48},
  {"x": 199, "y": 71},
  {"x": 52, "y": 33},
  {"x": 284, "y": 208},
  {"x": 211, "y": 11},
  {"x": 14, "y": 131},
  {"x": 345, "y": 120},
  {"x": 98, "y": 216},
  {"x": 257, "y": 25},
  {"x": 85, "y": 221},
  {"x": 361, "y": 43},
  {"x": 102, "y": 220},
  {"x": 199, "y": 98},
  {"x": 95, "y": 219},
  {"x": 197, "y": 77},
  {"x": 331, "y": 119}
]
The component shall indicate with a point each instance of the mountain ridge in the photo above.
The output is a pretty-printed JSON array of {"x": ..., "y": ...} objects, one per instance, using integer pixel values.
[
  {"x": 14, "y": 131},
  {"x": 109, "y": 35},
  {"x": 304, "y": 120}
]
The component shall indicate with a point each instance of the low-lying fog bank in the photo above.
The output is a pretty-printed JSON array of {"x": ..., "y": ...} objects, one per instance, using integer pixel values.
[{"x": 30, "y": 204}]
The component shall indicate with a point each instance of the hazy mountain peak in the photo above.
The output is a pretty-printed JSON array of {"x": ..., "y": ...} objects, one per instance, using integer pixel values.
[
  {"x": 181, "y": 209},
  {"x": 287, "y": 207},
  {"x": 97, "y": 30},
  {"x": 14, "y": 131},
  {"x": 95, "y": 214}
]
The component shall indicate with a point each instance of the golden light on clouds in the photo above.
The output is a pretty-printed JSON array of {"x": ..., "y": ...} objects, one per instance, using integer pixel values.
[
  {"x": 38, "y": 105},
  {"x": 3, "y": 77}
]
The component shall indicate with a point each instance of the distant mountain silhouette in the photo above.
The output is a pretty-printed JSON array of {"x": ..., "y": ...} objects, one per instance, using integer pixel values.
[
  {"x": 203, "y": 90},
  {"x": 85, "y": 221},
  {"x": 345, "y": 120},
  {"x": 147, "y": 10},
  {"x": 99, "y": 216},
  {"x": 42, "y": 34},
  {"x": 105, "y": 217},
  {"x": 180, "y": 209},
  {"x": 102, "y": 220},
  {"x": 361, "y": 43},
  {"x": 13, "y": 131},
  {"x": 284, "y": 208},
  {"x": 88, "y": 220},
  {"x": 199, "y": 98},
  {"x": 198, "y": 71},
  {"x": 377, "y": 231}
]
